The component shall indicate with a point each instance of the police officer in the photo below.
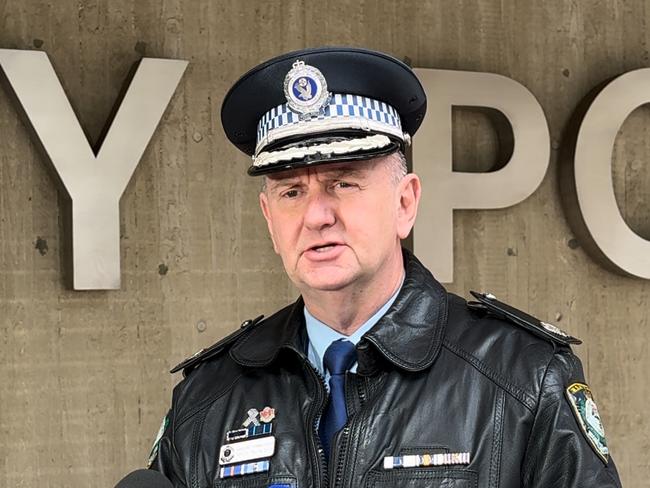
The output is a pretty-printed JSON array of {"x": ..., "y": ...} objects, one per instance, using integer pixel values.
[{"x": 375, "y": 376}]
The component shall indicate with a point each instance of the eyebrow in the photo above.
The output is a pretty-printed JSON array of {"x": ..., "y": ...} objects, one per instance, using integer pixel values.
[
  {"x": 282, "y": 183},
  {"x": 345, "y": 171},
  {"x": 348, "y": 171}
]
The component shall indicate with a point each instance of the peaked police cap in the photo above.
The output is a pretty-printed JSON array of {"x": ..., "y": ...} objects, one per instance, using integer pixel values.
[{"x": 322, "y": 105}]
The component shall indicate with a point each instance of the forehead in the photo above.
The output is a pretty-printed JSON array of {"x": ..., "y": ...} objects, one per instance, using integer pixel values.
[{"x": 326, "y": 171}]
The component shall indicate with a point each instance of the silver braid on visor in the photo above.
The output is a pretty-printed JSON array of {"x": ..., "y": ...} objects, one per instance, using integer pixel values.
[{"x": 376, "y": 141}]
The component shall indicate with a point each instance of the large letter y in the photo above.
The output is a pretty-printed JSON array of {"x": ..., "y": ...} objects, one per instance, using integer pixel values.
[{"x": 95, "y": 183}]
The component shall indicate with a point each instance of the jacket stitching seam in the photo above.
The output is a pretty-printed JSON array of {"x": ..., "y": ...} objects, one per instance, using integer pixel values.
[
  {"x": 539, "y": 400},
  {"x": 503, "y": 407},
  {"x": 513, "y": 390},
  {"x": 207, "y": 402},
  {"x": 497, "y": 441},
  {"x": 173, "y": 439},
  {"x": 194, "y": 465}
]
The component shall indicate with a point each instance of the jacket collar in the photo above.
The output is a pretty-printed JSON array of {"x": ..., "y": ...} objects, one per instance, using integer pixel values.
[
  {"x": 409, "y": 335},
  {"x": 284, "y": 330}
]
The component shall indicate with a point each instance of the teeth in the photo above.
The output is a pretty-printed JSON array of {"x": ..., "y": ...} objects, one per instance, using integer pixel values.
[{"x": 324, "y": 248}]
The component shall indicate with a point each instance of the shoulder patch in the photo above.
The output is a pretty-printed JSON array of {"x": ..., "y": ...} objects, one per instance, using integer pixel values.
[
  {"x": 490, "y": 304},
  {"x": 586, "y": 413},
  {"x": 209, "y": 352}
]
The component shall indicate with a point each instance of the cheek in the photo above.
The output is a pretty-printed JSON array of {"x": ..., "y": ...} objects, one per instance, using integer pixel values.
[
  {"x": 373, "y": 222},
  {"x": 285, "y": 232}
]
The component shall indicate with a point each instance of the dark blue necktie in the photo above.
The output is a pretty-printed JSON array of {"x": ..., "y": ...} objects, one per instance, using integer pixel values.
[{"x": 339, "y": 358}]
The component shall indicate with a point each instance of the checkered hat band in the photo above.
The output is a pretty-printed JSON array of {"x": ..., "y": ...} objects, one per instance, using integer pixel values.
[{"x": 358, "y": 110}]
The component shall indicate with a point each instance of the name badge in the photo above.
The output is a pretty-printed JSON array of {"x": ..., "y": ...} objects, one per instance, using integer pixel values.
[{"x": 239, "y": 452}]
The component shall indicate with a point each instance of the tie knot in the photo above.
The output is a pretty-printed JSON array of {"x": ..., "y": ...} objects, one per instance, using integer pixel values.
[{"x": 339, "y": 357}]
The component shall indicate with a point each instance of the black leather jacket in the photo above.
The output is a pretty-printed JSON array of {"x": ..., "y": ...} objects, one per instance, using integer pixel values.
[{"x": 433, "y": 376}]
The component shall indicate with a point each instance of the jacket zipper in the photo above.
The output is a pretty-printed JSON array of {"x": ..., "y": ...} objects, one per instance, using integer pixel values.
[
  {"x": 340, "y": 465},
  {"x": 319, "y": 452},
  {"x": 361, "y": 387},
  {"x": 344, "y": 437},
  {"x": 342, "y": 451}
]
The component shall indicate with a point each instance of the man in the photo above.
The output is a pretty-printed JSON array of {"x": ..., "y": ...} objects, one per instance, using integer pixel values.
[{"x": 376, "y": 376}]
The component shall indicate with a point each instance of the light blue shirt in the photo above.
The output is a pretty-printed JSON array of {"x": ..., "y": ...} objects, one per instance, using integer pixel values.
[{"x": 321, "y": 335}]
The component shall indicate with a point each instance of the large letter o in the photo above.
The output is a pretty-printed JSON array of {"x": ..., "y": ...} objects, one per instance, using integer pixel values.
[{"x": 626, "y": 250}]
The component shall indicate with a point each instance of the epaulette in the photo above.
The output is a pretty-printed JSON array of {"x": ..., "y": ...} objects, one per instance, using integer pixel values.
[
  {"x": 489, "y": 304},
  {"x": 209, "y": 352}
]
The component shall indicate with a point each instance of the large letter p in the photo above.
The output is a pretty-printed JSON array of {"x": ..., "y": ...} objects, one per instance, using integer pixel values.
[{"x": 444, "y": 190}]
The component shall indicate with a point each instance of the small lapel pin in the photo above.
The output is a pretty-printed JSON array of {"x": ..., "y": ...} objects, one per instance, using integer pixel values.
[{"x": 252, "y": 417}]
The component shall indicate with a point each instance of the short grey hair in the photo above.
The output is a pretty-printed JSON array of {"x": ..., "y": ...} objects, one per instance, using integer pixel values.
[
  {"x": 398, "y": 166},
  {"x": 396, "y": 160}
]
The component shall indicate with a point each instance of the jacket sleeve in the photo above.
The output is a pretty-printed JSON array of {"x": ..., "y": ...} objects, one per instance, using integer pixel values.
[
  {"x": 164, "y": 457},
  {"x": 558, "y": 452}
]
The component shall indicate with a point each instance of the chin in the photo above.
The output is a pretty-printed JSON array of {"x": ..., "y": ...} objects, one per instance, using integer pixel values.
[{"x": 327, "y": 282}]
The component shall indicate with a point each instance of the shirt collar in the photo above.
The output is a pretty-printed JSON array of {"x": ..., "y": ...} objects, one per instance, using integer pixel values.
[{"x": 321, "y": 335}]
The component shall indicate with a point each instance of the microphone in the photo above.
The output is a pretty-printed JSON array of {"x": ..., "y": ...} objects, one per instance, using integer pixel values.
[{"x": 144, "y": 478}]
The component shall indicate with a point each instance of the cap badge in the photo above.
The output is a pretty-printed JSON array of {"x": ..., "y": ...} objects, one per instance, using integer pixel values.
[{"x": 306, "y": 90}]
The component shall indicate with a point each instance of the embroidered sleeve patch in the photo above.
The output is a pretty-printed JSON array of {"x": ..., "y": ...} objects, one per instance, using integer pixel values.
[
  {"x": 156, "y": 443},
  {"x": 586, "y": 413}
]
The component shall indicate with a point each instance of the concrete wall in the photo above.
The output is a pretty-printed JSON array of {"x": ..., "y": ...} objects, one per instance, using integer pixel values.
[{"x": 84, "y": 374}]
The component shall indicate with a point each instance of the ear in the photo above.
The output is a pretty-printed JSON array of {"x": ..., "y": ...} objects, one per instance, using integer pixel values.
[
  {"x": 408, "y": 191},
  {"x": 264, "y": 205}
]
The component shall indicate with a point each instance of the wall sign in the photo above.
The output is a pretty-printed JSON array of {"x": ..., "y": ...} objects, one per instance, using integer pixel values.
[
  {"x": 602, "y": 222},
  {"x": 609, "y": 238},
  {"x": 444, "y": 190},
  {"x": 94, "y": 182}
]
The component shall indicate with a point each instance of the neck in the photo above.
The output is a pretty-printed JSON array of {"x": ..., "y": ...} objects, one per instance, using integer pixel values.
[{"x": 347, "y": 309}]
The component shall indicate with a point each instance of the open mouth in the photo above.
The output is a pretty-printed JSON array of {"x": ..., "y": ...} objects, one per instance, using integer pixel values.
[
  {"x": 323, "y": 248},
  {"x": 324, "y": 251}
]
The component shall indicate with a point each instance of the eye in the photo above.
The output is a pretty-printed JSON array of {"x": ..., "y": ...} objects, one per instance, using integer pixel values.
[
  {"x": 344, "y": 185},
  {"x": 291, "y": 193}
]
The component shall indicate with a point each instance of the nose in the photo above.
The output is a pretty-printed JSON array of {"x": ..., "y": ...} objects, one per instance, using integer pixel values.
[{"x": 320, "y": 212}]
